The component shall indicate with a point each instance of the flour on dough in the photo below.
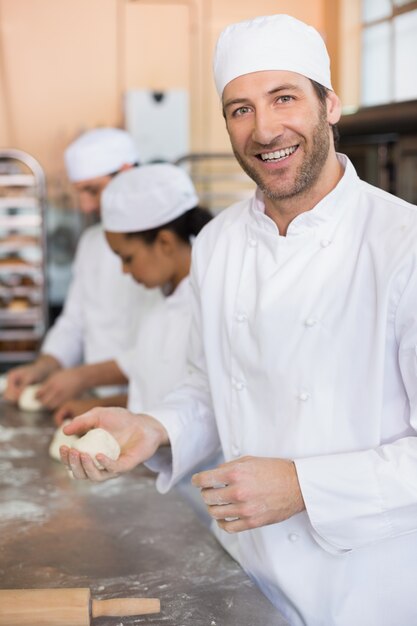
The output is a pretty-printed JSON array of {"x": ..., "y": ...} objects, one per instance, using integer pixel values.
[
  {"x": 61, "y": 439},
  {"x": 27, "y": 400},
  {"x": 98, "y": 441}
]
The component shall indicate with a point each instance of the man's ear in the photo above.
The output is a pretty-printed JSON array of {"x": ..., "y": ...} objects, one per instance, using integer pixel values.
[{"x": 334, "y": 107}]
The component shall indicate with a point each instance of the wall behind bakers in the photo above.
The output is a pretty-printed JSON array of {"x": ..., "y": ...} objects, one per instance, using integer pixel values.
[{"x": 65, "y": 65}]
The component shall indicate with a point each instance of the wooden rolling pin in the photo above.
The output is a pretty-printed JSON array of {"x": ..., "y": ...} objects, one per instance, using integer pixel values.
[{"x": 65, "y": 607}]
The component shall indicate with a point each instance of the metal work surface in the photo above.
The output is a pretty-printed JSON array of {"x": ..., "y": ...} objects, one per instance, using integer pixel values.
[{"x": 120, "y": 538}]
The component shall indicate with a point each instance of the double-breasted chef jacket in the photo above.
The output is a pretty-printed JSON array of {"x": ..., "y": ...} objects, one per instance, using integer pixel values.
[
  {"x": 305, "y": 347},
  {"x": 102, "y": 310}
]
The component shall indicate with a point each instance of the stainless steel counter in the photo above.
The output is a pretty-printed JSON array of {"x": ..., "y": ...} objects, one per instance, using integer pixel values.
[{"x": 120, "y": 538}]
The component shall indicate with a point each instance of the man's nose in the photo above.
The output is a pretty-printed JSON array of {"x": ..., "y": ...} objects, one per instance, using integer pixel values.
[{"x": 267, "y": 128}]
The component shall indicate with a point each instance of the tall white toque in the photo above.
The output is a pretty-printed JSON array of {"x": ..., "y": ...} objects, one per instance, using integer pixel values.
[
  {"x": 99, "y": 152},
  {"x": 146, "y": 197},
  {"x": 272, "y": 42}
]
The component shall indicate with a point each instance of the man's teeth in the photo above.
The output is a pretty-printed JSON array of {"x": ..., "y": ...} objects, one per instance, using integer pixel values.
[{"x": 279, "y": 154}]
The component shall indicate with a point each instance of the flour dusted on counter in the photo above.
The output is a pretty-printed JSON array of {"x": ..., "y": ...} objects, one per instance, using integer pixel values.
[
  {"x": 6, "y": 434},
  {"x": 22, "y": 510}
]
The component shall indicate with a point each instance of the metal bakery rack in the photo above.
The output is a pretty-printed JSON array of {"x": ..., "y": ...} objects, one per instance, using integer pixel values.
[{"x": 23, "y": 285}]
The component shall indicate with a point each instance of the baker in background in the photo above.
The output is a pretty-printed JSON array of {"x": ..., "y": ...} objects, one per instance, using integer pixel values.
[
  {"x": 303, "y": 353},
  {"x": 103, "y": 306}
]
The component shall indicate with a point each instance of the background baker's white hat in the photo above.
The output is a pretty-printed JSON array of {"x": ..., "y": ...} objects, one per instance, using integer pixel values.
[
  {"x": 272, "y": 42},
  {"x": 146, "y": 197},
  {"x": 99, "y": 152}
]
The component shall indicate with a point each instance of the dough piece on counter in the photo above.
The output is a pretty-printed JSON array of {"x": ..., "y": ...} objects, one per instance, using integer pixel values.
[
  {"x": 98, "y": 441},
  {"x": 61, "y": 439},
  {"x": 27, "y": 400}
]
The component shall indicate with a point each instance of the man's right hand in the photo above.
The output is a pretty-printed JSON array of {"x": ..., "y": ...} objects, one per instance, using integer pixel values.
[{"x": 139, "y": 437}]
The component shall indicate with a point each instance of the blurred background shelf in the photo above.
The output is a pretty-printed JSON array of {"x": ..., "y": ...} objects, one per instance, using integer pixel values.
[{"x": 23, "y": 252}]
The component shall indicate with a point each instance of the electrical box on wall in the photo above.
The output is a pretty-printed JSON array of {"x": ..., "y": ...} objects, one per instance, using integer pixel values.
[{"x": 159, "y": 123}]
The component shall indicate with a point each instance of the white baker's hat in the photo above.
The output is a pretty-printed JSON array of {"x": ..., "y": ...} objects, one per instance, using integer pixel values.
[
  {"x": 272, "y": 42},
  {"x": 99, "y": 152},
  {"x": 146, "y": 197}
]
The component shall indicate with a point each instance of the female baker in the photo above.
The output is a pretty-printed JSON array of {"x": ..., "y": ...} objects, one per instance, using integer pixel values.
[{"x": 150, "y": 216}]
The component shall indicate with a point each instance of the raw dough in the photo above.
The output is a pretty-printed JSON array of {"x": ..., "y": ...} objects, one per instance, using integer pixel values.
[
  {"x": 61, "y": 439},
  {"x": 98, "y": 441},
  {"x": 27, "y": 400}
]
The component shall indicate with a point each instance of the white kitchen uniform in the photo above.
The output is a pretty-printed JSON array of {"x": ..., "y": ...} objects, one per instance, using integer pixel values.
[
  {"x": 102, "y": 309},
  {"x": 305, "y": 347},
  {"x": 158, "y": 361}
]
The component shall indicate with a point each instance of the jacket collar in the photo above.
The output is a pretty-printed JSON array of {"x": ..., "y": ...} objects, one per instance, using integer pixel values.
[{"x": 329, "y": 209}]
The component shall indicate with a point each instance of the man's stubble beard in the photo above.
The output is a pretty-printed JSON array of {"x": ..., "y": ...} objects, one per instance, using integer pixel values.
[{"x": 309, "y": 170}]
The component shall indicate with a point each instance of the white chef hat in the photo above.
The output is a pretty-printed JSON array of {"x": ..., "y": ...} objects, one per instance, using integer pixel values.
[
  {"x": 272, "y": 42},
  {"x": 99, "y": 152},
  {"x": 146, "y": 197}
]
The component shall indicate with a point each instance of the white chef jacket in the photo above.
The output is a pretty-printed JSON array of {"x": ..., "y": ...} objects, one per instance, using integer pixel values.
[
  {"x": 305, "y": 347},
  {"x": 158, "y": 361},
  {"x": 102, "y": 309}
]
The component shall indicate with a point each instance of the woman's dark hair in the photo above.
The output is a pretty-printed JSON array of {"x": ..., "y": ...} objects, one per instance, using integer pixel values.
[
  {"x": 321, "y": 93},
  {"x": 186, "y": 226}
]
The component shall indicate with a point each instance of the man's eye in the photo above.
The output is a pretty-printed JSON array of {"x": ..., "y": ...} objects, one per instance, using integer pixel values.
[
  {"x": 127, "y": 259},
  {"x": 285, "y": 99},
  {"x": 240, "y": 111}
]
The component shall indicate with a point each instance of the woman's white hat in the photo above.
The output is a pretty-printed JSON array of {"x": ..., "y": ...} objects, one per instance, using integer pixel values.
[
  {"x": 146, "y": 197},
  {"x": 99, "y": 152},
  {"x": 272, "y": 42}
]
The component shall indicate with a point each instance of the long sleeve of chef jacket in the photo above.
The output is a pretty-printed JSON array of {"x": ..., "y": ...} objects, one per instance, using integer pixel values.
[
  {"x": 65, "y": 339},
  {"x": 357, "y": 498},
  {"x": 125, "y": 360},
  {"x": 187, "y": 414}
]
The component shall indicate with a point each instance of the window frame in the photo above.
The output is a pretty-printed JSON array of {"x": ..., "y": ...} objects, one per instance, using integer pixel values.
[{"x": 388, "y": 19}]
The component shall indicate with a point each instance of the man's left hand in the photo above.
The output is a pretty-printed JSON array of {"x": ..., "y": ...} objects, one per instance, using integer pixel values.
[{"x": 251, "y": 492}]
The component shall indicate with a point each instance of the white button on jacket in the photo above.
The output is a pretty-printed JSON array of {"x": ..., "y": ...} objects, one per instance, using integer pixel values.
[{"x": 354, "y": 442}]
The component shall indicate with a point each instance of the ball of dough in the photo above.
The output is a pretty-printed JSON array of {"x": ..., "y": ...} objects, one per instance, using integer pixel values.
[
  {"x": 61, "y": 439},
  {"x": 98, "y": 441},
  {"x": 27, "y": 400}
]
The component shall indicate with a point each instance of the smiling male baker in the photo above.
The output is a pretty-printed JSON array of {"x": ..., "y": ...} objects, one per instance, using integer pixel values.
[{"x": 303, "y": 353}]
